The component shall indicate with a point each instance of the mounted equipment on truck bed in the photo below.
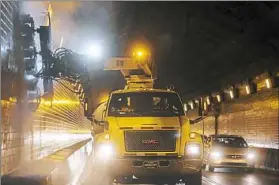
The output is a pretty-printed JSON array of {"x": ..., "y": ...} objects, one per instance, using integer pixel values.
[{"x": 138, "y": 70}]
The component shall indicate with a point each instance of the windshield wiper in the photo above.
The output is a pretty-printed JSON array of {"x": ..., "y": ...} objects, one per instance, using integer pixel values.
[
  {"x": 127, "y": 113},
  {"x": 137, "y": 113},
  {"x": 176, "y": 112}
]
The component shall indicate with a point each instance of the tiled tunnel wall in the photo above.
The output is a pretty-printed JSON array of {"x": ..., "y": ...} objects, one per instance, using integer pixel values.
[
  {"x": 255, "y": 117},
  {"x": 28, "y": 135}
]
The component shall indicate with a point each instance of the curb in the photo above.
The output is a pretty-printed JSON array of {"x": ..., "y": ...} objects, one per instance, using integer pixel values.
[
  {"x": 68, "y": 170},
  {"x": 50, "y": 170}
]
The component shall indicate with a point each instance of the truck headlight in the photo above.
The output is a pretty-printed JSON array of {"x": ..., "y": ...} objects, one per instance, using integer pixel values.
[
  {"x": 193, "y": 150},
  {"x": 105, "y": 151}
]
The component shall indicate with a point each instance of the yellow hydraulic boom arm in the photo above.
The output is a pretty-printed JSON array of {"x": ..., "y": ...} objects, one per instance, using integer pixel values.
[{"x": 137, "y": 71}]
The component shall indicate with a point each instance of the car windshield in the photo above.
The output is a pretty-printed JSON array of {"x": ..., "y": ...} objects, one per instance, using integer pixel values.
[
  {"x": 237, "y": 142},
  {"x": 158, "y": 104}
]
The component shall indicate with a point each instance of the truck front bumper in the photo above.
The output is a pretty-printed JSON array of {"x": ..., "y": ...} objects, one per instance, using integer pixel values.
[{"x": 151, "y": 166}]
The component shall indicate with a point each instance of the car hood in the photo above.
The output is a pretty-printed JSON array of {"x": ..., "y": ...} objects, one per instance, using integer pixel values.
[{"x": 232, "y": 150}]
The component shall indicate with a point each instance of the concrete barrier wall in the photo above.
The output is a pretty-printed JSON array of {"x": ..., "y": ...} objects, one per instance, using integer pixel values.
[
  {"x": 28, "y": 135},
  {"x": 267, "y": 159},
  {"x": 71, "y": 169},
  {"x": 255, "y": 117},
  {"x": 62, "y": 167}
]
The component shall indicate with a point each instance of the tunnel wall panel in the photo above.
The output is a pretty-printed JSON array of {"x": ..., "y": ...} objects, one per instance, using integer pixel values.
[
  {"x": 255, "y": 117},
  {"x": 28, "y": 135}
]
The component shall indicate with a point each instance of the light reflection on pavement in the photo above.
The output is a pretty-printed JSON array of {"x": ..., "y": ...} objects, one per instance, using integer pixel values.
[
  {"x": 240, "y": 177},
  {"x": 219, "y": 177}
]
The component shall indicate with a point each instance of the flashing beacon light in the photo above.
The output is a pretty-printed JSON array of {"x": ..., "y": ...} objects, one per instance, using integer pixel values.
[
  {"x": 140, "y": 53},
  {"x": 142, "y": 56}
]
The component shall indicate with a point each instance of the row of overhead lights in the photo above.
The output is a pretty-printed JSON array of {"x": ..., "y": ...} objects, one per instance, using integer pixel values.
[{"x": 249, "y": 89}]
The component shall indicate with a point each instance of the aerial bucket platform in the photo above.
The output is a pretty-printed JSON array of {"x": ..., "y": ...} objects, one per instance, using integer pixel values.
[{"x": 137, "y": 70}]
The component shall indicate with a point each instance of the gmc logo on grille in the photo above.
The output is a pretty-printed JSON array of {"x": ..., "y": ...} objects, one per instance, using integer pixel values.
[{"x": 150, "y": 141}]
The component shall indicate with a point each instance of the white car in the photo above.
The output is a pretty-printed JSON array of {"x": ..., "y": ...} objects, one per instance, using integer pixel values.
[{"x": 228, "y": 151}]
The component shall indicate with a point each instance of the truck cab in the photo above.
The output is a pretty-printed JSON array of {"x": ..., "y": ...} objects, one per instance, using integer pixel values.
[{"x": 146, "y": 135}]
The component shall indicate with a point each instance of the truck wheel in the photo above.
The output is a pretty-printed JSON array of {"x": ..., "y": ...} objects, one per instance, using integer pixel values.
[{"x": 193, "y": 179}]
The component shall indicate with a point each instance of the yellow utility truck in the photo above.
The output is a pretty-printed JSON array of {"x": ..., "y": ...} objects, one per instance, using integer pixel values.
[{"x": 146, "y": 134}]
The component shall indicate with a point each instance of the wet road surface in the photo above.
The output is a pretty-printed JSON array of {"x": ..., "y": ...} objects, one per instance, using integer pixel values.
[
  {"x": 219, "y": 177},
  {"x": 229, "y": 178},
  {"x": 239, "y": 177}
]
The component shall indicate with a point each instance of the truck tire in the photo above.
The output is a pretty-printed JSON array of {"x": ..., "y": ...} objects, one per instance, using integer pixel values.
[{"x": 193, "y": 179}]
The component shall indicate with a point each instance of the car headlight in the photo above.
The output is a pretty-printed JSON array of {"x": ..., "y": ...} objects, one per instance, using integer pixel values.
[
  {"x": 193, "y": 150},
  {"x": 105, "y": 151},
  {"x": 251, "y": 156},
  {"x": 216, "y": 155}
]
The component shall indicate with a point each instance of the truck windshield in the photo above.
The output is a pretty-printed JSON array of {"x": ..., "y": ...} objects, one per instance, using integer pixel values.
[
  {"x": 158, "y": 104},
  {"x": 237, "y": 142}
]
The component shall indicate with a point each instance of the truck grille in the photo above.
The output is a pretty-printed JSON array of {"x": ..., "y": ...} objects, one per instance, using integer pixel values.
[{"x": 150, "y": 141}]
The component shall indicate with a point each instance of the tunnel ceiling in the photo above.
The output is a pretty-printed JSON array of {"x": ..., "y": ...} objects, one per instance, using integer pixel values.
[{"x": 197, "y": 44}]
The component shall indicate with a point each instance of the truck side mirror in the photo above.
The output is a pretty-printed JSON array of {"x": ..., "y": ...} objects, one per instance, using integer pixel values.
[
  {"x": 99, "y": 122},
  {"x": 102, "y": 123},
  {"x": 103, "y": 114}
]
